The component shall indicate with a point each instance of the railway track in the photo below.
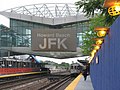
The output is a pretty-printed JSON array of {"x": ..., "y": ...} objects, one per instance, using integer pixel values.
[
  {"x": 20, "y": 81},
  {"x": 56, "y": 84},
  {"x": 49, "y": 82}
]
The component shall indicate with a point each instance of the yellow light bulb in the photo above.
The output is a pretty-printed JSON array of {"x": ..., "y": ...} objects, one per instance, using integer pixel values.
[
  {"x": 117, "y": 8},
  {"x": 99, "y": 42},
  {"x": 114, "y": 10},
  {"x": 97, "y": 47},
  {"x": 101, "y": 33},
  {"x": 93, "y": 52}
]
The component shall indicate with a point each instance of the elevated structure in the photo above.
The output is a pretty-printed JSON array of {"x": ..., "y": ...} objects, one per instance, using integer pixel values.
[
  {"x": 51, "y": 14},
  {"x": 42, "y": 16}
]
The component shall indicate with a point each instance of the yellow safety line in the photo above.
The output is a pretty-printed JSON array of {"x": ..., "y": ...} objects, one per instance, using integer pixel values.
[
  {"x": 74, "y": 83},
  {"x": 18, "y": 74}
]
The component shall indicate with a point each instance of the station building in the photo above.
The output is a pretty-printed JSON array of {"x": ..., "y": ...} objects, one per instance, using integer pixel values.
[{"x": 24, "y": 19}]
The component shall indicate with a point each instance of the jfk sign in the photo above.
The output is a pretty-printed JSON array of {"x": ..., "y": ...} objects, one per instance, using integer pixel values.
[{"x": 63, "y": 40}]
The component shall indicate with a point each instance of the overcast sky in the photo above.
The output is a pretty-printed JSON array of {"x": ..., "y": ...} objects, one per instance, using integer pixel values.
[{"x": 7, "y": 4}]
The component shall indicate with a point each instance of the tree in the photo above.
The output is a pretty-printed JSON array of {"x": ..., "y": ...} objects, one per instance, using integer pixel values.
[
  {"x": 100, "y": 17},
  {"x": 89, "y": 34},
  {"x": 91, "y": 7},
  {"x": 65, "y": 65}
]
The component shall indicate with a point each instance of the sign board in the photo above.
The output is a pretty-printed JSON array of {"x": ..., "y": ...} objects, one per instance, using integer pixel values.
[{"x": 59, "y": 40}]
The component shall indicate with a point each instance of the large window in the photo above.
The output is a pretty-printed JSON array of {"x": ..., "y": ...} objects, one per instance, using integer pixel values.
[{"x": 23, "y": 31}]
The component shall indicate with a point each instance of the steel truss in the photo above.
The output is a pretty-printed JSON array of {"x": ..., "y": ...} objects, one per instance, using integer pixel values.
[{"x": 49, "y": 10}]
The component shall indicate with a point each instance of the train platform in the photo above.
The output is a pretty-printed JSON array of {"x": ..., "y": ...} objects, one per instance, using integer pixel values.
[
  {"x": 79, "y": 84},
  {"x": 19, "y": 74}
]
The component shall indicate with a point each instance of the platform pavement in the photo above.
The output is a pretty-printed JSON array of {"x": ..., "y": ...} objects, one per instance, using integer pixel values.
[
  {"x": 79, "y": 84},
  {"x": 84, "y": 85}
]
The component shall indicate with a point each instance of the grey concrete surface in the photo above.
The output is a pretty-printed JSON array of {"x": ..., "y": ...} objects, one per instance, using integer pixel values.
[{"x": 84, "y": 85}]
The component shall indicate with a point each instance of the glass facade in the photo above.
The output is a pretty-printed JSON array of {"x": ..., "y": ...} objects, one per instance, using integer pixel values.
[
  {"x": 23, "y": 32},
  {"x": 23, "y": 29},
  {"x": 19, "y": 33},
  {"x": 5, "y": 36}
]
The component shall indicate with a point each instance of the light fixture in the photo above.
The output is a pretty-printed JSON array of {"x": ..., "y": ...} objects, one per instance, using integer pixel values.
[
  {"x": 93, "y": 52},
  {"x": 101, "y": 31},
  {"x": 114, "y": 10},
  {"x": 113, "y": 7},
  {"x": 99, "y": 41},
  {"x": 92, "y": 55},
  {"x": 96, "y": 47}
]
